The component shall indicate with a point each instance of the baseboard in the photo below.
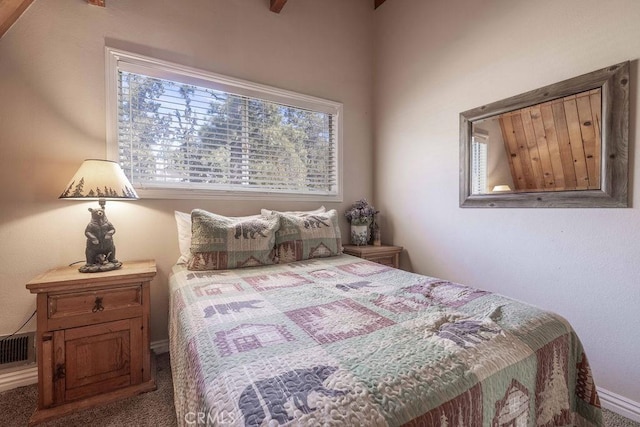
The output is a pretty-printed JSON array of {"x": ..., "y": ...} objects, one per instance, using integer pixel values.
[
  {"x": 29, "y": 374},
  {"x": 160, "y": 346},
  {"x": 19, "y": 377},
  {"x": 619, "y": 404}
]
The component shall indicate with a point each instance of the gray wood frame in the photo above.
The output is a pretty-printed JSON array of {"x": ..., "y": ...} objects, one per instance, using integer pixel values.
[{"x": 614, "y": 82}]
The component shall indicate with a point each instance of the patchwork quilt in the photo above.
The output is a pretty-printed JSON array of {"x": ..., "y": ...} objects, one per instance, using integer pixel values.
[{"x": 344, "y": 341}]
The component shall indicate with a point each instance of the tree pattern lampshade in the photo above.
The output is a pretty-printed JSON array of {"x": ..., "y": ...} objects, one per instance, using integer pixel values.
[{"x": 99, "y": 179}]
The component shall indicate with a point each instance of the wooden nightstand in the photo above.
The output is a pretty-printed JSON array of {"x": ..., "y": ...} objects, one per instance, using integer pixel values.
[
  {"x": 387, "y": 255},
  {"x": 93, "y": 337}
]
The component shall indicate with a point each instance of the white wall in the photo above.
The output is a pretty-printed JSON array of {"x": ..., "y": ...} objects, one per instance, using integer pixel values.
[
  {"x": 435, "y": 59},
  {"x": 52, "y": 116}
]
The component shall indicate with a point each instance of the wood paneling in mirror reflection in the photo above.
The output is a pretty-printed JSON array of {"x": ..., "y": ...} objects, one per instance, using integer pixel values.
[{"x": 555, "y": 145}]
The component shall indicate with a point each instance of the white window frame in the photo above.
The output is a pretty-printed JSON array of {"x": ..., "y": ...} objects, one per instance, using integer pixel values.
[
  {"x": 479, "y": 154},
  {"x": 118, "y": 60}
]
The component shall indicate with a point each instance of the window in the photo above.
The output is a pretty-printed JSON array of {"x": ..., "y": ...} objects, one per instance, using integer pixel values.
[
  {"x": 179, "y": 132},
  {"x": 479, "y": 165}
]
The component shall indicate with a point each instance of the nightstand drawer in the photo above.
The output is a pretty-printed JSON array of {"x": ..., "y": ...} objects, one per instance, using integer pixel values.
[
  {"x": 100, "y": 303},
  {"x": 388, "y": 260},
  {"x": 385, "y": 254}
]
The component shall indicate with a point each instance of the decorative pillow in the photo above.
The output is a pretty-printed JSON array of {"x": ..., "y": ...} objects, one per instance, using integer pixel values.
[
  {"x": 183, "y": 221},
  {"x": 267, "y": 212},
  {"x": 220, "y": 242},
  {"x": 306, "y": 236}
]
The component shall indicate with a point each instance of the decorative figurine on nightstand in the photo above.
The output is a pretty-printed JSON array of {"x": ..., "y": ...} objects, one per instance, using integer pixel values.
[
  {"x": 101, "y": 251},
  {"x": 360, "y": 215},
  {"x": 101, "y": 180},
  {"x": 375, "y": 233}
]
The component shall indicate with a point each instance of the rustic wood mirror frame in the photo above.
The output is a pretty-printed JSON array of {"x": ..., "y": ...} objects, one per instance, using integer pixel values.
[{"x": 613, "y": 193}]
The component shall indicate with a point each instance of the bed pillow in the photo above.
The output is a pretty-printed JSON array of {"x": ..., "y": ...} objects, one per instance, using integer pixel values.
[
  {"x": 219, "y": 242},
  {"x": 306, "y": 236},
  {"x": 183, "y": 222},
  {"x": 321, "y": 209}
]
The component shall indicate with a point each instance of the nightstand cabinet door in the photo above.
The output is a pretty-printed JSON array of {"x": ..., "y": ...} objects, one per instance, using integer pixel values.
[{"x": 96, "y": 359}]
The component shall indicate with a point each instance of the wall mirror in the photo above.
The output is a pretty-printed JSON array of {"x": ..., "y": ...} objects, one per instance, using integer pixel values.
[{"x": 563, "y": 145}]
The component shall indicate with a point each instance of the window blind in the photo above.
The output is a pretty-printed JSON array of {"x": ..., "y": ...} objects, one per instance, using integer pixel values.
[
  {"x": 173, "y": 133},
  {"x": 478, "y": 166}
]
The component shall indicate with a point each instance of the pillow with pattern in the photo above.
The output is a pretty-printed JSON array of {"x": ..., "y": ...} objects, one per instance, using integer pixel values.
[
  {"x": 306, "y": 236},
  {"x": 219, "y": 242}
]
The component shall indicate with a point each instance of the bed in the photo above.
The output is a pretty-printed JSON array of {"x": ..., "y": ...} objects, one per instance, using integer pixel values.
[{"x": 345, "y": 341}]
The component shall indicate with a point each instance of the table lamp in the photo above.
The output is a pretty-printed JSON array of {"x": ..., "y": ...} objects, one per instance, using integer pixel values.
[{"x": 100, "y": 180}]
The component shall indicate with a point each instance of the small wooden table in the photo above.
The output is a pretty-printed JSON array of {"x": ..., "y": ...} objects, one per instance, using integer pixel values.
[
  {"x": 384, "y": 254},
  {"x": 92, "y": 337}
]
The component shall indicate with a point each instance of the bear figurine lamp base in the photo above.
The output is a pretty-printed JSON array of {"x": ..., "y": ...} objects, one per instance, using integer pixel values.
[{"x": 100, "y": 180}]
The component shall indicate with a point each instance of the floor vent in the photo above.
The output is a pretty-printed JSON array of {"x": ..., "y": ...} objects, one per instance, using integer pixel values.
[{"x": 17, "y": 350}]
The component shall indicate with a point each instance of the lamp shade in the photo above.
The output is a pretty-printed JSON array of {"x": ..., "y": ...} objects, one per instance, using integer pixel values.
[
  {"x": 99, "y": 179},
  {"x": 503, "y": 187}
]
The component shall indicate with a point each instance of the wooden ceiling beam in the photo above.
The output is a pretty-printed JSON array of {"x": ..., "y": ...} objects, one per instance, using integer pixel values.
[
  {"x": 10, "y": 11},
  {"x": 277, "y": 5}
]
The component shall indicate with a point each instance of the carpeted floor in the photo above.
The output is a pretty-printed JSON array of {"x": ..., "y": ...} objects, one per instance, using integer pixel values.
[{"x": 149, "y": 409}]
